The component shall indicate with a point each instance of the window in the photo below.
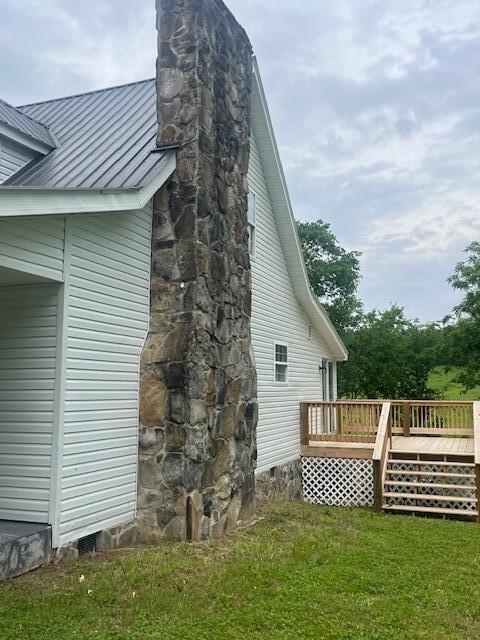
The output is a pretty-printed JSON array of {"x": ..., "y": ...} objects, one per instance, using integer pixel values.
[
  {"x": 281, "y": 363},
  {"x": 251, "y": 222}
]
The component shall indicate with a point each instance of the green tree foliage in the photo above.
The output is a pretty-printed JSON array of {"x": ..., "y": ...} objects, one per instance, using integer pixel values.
[
  {"x": 461, "y": 346},
  {"x": 466, "y": 278},
  {"x": 390, "y": 357},
  {"x": 333, "y": 271}
]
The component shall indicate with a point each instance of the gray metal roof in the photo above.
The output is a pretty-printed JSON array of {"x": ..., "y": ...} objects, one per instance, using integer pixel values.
[
  {"x": 15, "y": 119},
  {"x": 106, "y": 140}
]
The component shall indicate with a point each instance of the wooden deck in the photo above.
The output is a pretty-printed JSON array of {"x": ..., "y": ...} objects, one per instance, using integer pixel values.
[
  {"x": 336, "y": 449},
  {"x": 441, "y": 446},
  {"x": 424, "y": 455},
  {"x": 412, "y": 444}
]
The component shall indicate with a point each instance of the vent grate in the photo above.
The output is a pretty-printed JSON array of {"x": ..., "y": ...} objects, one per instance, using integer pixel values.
[{"x": 88, "y": 544}]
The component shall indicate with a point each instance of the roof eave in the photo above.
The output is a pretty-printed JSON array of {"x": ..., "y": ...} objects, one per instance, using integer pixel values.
[
  {"x": 24, "y": 140},
  {"x": 290, "y": 240},
  {"x": 16, "y": 201}
]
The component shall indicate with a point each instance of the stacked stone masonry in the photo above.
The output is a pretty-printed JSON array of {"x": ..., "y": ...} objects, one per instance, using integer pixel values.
[
  {"x": 198, "y": 407},
  {"x": 280, "y": 483}
]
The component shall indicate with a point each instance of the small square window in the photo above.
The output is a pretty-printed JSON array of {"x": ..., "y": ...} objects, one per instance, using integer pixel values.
[{"x": 281, "y": 363}]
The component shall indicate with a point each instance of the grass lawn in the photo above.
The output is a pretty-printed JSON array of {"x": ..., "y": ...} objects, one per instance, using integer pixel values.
[
  {"x": 302, "y": 572},
  {"x": 442, "y": 381}
]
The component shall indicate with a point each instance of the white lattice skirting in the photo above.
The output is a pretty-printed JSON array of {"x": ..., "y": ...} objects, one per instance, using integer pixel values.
[{"x": 338, "y": 482}]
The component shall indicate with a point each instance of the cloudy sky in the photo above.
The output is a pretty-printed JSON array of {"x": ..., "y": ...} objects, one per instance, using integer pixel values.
[{"x": 376, "y": 106}]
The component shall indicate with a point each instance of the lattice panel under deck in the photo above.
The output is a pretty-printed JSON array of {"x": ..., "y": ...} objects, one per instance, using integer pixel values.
[{"x": 338, "y": 482}]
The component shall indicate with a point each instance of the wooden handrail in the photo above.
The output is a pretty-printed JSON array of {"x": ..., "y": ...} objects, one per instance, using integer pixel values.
[
  {"x": 476, "y": 451},
  {"x": 476, "y": 431},
  {"x": 380, "y": 454}
]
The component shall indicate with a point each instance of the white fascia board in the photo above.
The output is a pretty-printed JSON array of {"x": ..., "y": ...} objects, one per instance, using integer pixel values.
[
  {"x": 23, "y": 201},
  {"x": 23, "y": 140},
  {"x": 287, "y": 229}
]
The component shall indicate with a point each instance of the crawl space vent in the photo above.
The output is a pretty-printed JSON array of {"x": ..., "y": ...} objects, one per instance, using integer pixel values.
[{"x": 88, "y": 544}]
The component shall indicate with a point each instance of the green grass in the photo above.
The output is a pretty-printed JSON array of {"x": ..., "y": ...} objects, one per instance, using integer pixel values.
[
  {"x": 303, "y": 572},
  {"x": 442, "y": 381}
]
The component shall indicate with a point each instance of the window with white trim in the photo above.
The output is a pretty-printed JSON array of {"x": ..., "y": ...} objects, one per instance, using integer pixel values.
[
  {"x": 251, "y": 222},
  {"x": 281, "y": 363}
]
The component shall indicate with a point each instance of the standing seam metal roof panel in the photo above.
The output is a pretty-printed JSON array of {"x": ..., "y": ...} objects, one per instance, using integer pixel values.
[
  {"x": 107, "y": 140},
  {"x": 30, "y": 127}
]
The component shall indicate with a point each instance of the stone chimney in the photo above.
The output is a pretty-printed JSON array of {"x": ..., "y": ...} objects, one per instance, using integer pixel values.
[{"x": 198, "y": 407}]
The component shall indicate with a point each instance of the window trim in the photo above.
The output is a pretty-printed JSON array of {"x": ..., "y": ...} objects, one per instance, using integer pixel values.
[{"x": 281, "y": 363}]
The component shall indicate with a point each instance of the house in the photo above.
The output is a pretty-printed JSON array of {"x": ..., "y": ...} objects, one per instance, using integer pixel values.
[{"x": 157, "y": 328}]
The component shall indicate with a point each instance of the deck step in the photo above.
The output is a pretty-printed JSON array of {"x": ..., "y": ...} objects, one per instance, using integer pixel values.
[
  {"x": 427, "y": 496},
  {"x": 437, "y": 463},
  {"x": 439, "y": 510},
  {"x": 434, "y": 474},
  {"x": 429, "y": 485},
  {"x": 433, "y": 452}
]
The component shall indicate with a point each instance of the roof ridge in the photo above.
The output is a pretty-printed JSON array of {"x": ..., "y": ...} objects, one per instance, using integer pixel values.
[{"x": 85, "y": 93}]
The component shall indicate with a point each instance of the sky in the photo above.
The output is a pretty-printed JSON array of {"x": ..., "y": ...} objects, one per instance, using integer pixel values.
[{"x": 375, "y": 105}]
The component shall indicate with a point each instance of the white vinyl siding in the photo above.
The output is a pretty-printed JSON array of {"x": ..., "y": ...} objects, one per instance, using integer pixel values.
[
  {"x": 278, "y": 318},
  {"x": 12, "y": 158},
  {"x": 108, "y": 280},
  {"x": 28, "y": 325},
  {"x": 33, "y": 245}
]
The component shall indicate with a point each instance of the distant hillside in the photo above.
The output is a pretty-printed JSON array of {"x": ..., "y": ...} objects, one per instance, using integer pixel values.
[{"x": 442, "y": 381}]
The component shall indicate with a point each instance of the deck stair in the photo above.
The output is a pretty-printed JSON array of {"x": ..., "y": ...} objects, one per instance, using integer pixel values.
[{"x": 439, "y": 484}]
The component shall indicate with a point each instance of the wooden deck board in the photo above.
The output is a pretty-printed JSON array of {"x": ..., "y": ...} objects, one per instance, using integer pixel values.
[
  {"x": 421, "y": 444},
  {"x": 333, "y": 449},
  {"x": 342, "y": 445},
  {"x": 400, "y": 444}
]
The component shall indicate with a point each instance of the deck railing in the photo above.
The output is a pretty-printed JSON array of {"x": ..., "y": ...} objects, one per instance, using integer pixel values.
[
  {"x": 341, "y": 421},
  {"x": 430, "y": 417},
  {"x": 383, "y": 444},
  {"x": 358, "y": 420}
]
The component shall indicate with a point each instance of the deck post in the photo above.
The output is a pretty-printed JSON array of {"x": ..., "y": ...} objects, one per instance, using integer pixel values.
[
  {"x": 406, "y": 419},
  {"x": 476, "y": 452},
  {"x": 304, "y": 427},
  {"x": 377, "y": 485},
  {"x": 477, "y": 490},
  {"x": 339, "y": 420}
]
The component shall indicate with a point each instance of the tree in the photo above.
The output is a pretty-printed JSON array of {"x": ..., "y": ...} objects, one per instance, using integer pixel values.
[
  {"x": 334, "y": 273},
  {"x": 390, "y": 357},
  {"x": 462, "y": 338}
]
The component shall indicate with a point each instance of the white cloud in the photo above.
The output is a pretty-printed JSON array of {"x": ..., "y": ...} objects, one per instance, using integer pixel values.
[
  {"x": 388, "y": 42},
  {"x": 445, "y": 223},
  {"x": 102, "y": 42}
]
